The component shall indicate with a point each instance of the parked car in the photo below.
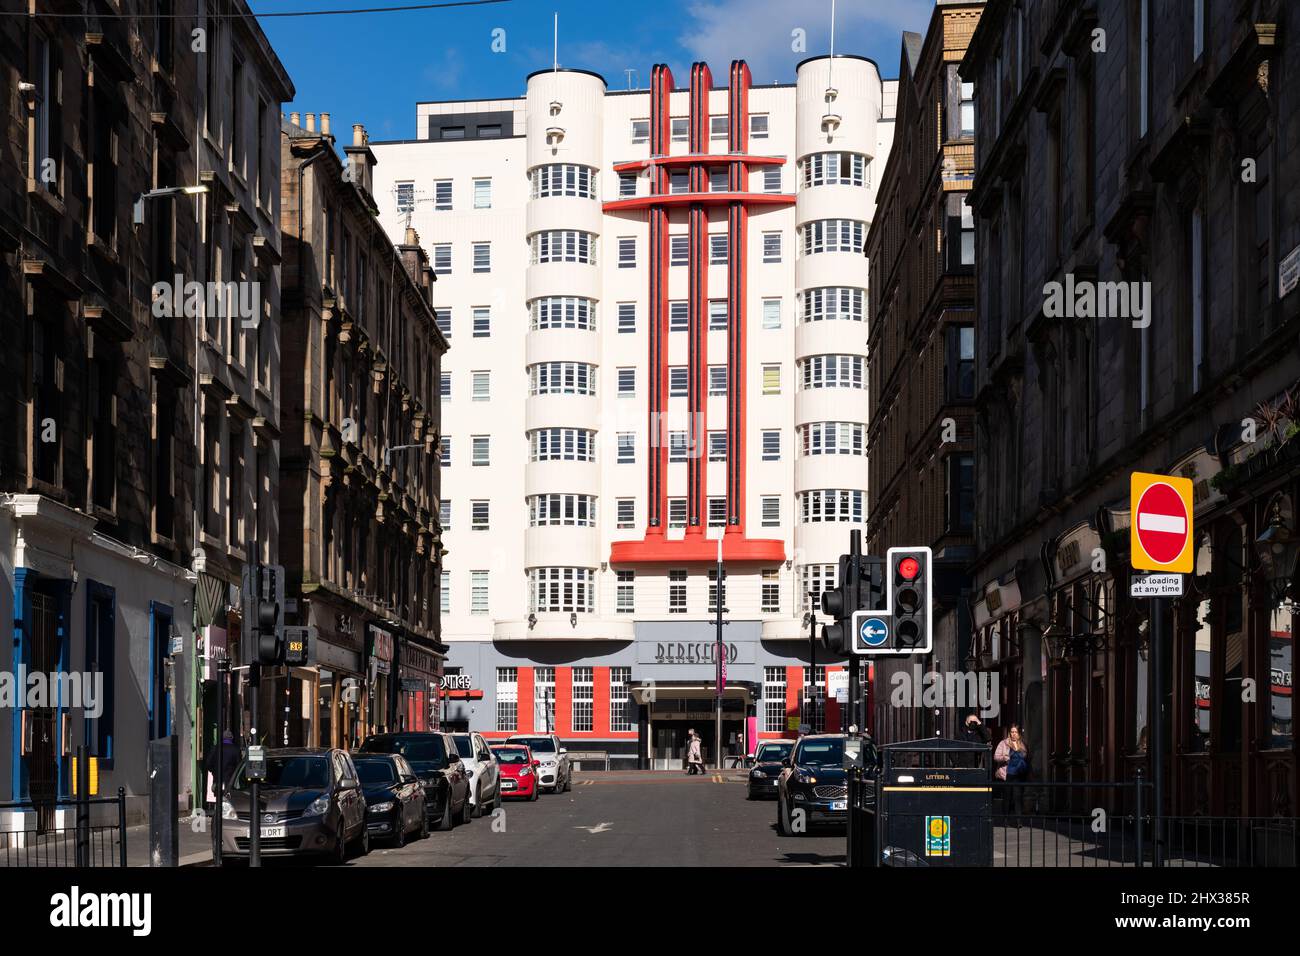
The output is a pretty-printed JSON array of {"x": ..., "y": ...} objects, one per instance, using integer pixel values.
[
  {"x": 767, "y": 768},
  {"x": 812, "y": 780},
  {"x": 433, "y": 757},
  {"x": 310, "y": 803},
  {"x": 518, "y": 769},
  {"x": 481, "y": 769},
  {"x": 554, "y": 771},
  {"x": 394, "y": 797}
]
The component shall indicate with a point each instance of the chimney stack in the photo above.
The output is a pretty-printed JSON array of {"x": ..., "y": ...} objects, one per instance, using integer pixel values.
[
  {"x": 311, "y": 122},
  {"x": 325, "y": 124},
  {"x": 358, "y": 135},
  {"x": 361, "y": 161},
  {"x": 294, "y": 119}
]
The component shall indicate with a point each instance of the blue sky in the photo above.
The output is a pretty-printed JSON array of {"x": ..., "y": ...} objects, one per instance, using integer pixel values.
[{"x": 374, "y": 68}]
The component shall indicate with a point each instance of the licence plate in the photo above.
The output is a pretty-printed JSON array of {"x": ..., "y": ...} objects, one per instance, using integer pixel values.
[
  {"x": 507, "y": 784},
  {"x": 272, "y": 832},
  {"x": 840, "y": 805}
]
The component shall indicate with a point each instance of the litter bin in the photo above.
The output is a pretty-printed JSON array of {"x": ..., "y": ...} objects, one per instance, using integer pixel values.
[{"x": 935, "y": 804}]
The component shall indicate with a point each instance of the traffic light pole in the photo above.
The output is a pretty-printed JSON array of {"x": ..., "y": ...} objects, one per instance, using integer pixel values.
[{"x": 254, "y": 807}]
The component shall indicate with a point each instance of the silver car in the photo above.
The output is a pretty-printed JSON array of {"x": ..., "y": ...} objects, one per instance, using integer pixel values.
[{"x": 554, "y": 772}]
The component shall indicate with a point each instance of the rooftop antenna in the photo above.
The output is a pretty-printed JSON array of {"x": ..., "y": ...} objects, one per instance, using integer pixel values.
[
  {"x": 629, "y": 73},
  {"x": 831, "y": 119},
  {"x": 555, "y": 133},
  {"x": 555, "y": 43}
]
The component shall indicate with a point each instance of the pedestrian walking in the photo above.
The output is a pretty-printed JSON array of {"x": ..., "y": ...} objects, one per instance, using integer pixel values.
[
  {"x": 694, "y": 757},
  {"x": 222, "y": 759},
  {"x": 1012, "y": 762}
]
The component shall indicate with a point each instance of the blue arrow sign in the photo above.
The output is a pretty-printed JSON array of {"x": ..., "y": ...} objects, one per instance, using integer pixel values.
[{"x": 874, "y": 632}]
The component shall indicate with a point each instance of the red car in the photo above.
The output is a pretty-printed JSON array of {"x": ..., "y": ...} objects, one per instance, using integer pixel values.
[{"x": 518, "y": 771}]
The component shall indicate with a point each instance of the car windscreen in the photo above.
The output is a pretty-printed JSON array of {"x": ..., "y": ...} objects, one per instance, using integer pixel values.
[
  {"x": 511, "y": 756},
  {"x": 536, "y": 744},
  {"x": 821, "y": 753},
  {"x": 307, "y": 772},
  {"x": 419, "y": 749},
  {"x": 464, "y": 746},
  {"x": 375, "y": 771},
  {"x": 772, "y": 752}
]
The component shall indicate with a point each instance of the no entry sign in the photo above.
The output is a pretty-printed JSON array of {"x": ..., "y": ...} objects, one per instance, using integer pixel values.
[{"x": 1160, "y": 535}]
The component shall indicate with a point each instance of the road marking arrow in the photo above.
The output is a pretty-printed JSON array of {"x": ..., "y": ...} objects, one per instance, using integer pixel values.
[{"x": 598, "y": 828}]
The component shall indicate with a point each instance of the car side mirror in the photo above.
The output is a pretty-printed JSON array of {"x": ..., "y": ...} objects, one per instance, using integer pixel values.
[{"x": 537, "y": 763}]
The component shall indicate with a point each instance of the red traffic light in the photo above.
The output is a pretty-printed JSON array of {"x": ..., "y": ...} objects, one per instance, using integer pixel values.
[{"x": 909, "y": 568}]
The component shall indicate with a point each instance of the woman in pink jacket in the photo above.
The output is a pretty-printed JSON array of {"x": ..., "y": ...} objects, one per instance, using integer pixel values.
[{"x": 1012, "y": 761}]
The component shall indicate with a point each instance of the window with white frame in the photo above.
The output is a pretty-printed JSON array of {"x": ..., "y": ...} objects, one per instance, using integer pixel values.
[
  {"x": 554, "y": 510},
  {"x": 478, "y": 592},
  {"x": 714, "y": 596},
  {"x": 482, "y": 321},
  {"x": 832, "y": 371},
  {"x": 677, "y": 590},
  {"x": 444, "y": 592},
  {"x": 717, "y": 512},
  {"x": 832, "y": 438},
  {"x": 681, "y": 129},
  {"x": 677, "y": 381},
  {"x": 771, "y": 313},
  {"x": 482, "y": 449},
  {"x": 640, "y": 131},
  {"x": 562, "y": 589},
  {"x": 770, "y": 591},
  {"x": 679, "y": 250},
  {"x": 816, "y": 578},
  {"x": 771, "y": 247},
  {"x": 482, "y": 257},
  {"x": 772, "y": 444},
  {"x": 584, "y": 699},
  {"x": 627, "y": 382},
  {"x": 771, "y": 379},
  {"x": 562, "y": 444},
  {"x": 774, "y": 700},
  {"x": 718, "y": 445},
  {"x": 719, "y": 180},
  {"x": 544, "y": 691},
  {"x": 835, "y": 169},
  {"x": 483, "y": 193},
  {"x": 442, "y": 195},
  {"x": 627, "y": 448},
  {"x": 507, "y": 698},
  {"x": 717, "y": 315},
  {"x": 444, "y": 451},
  {"x": 626, "y": 318},
  {"x": 620, "y": 699},
  {"x": 444, "y": 514},
  {"x": 562, "y": 378},
  {"x": 405, "y": 196},
  {"x": 482, "y": 386},
  {"x": 627, "y": 252},
  {"x": 563, "y": 179},
  {"x": 718, "y": 127},
  {"x": 718, "y": 249},
  {"x": 833, "y": 302},
  {"x": 717, "y": 380},
  {"x": 833, "y": 235},
  {"x": 563, "y": 245},
  {"x": 772, "y": 179},
  {"x": 442, "y": 259},
  {"x": 679, "y": 182},
  {"x": 443, "y": 318},
  {"x": 676, "y": 512},
  {"x": 626, "y": 186},
  {"x": 444, "y": 386},
  {"x": 770, "y": 506},
  {"x": 830, "y": 504},
  {"x": 814, "y": 698},
  {"x": 563, "y": 312},
  {"x": 758, "y": 126},
  {"x": 625, "y": 592},
  {"x": 480, "y": 513},
  {"x": 679, "y": 316},
  {"x": 626, "y": 514},
  {"x": 677, "y": 447}
]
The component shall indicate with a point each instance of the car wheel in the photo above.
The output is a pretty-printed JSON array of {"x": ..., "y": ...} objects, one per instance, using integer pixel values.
[
  {"x": 783, "y": 819},
  {"x": 465, "y": 809},
  {"x": 568, "y": 782},
  {"x": 478, "y": 804},
  {"x": 496, "y": 797},
  {"x": 424, "y": 825},
  {"x": 537, "y": 792},
  {"x": 445, "y": 823},
  {"x": 363, "y": 841},
  {"x": 399, "y": 839},
  {"x": 340, "y": 854}
]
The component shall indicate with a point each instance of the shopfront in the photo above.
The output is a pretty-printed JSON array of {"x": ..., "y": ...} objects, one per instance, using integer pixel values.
[
  {"x": 419, "y": 676},
  {"x": 381, "y": 686},
  {"x": 340, "y": 700}
]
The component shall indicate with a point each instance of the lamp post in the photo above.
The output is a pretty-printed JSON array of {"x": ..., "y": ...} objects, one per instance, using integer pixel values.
[{"x": 137, "y": 210}]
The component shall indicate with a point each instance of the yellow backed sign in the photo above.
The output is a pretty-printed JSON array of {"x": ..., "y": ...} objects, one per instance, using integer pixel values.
[
  {"x": 92, "y": 775},
  {"x": 1160, "y": 529}
]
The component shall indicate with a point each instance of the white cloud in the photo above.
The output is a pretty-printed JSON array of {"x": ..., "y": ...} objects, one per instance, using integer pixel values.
[{"x": 761, "y": 31}]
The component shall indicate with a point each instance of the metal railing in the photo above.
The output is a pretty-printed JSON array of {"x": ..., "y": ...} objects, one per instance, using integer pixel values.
[{"x": 80, "y": 832}]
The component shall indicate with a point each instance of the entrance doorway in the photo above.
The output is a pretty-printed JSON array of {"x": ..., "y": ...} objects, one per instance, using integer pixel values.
[
  {"x": 42, "y": 767},
  {"x": 668, "y": 741}
]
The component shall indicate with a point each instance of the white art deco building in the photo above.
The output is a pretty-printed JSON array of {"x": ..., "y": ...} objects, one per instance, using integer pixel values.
[{"x": 656, "y": 303}]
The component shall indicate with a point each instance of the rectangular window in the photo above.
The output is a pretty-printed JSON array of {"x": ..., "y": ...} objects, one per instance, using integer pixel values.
[
  {"x": 626, "y": 382},
  {"x": 816, "y": 578},
  {"x": 681, "y": 129},
  {"x": 442, "y": 259},
  {"x": 677, "y": 587},
  {"x": 718, "y": 249},
  {"x": 620, "y": 700},
  {"x": 625, "y": 592},
  {"x": 771, "y": 508},
  {"x": 483, "y": 194},
  {"x": 444, "y": 451},
  {"x": 771, "y": 247},
  {"x": 714, "y": 596},
  {"x": 444, "y": 386},
  {"x": 626, "y": 252},
  {"x": 717, "y": 512},
  {"x": 452, "y": 132},
  {"x": 758, "y": 126},
  {"x": 771, "y": 380},
  {"x": 677, "y": 447},
  {"x": 507, "y": 698},
  {"x": 772, "y": 445},
  {"x": 960, "y": 362},
  {"x": 719, "y": 180},
  {"x": 482, "y": 257},
  {"x": 444, "y": 592},
  {"x": 676, "y": 512},
  {"x": 677, "y": 381},
  {"x": 718, "y": 446},
  {"x": 959, "y": 507},
  {"x": 679, "y": 316},
  {"x": 627, "y": 448},
  {"x": 405, "y": 196},
  {"x": 626, "y": 186},
  {"x": 717, "y": 380},
  {"x": 478, "y": 592},
  {"x": 679, "y": 183},
  {"x": 640, "y": 131},
  {"x": 771, "y": 313},
  {"x": 442, "y": 194},
  {"x": 584, "y": 698},
  {"x": 772, "y": 179},
  {"x": 479, "y": 515},
  {"x": 626, "y": 513},
  {"x": 101, "y": 644},
  {"x": 771, "y": 591},
  {"x": 717, "y": 315},
  {"x": 626, "y": 317},
  {"x": 482, "y": 455},
  {"x": 774, "y": 706},
  {"x": 679, "y": 250},
  {"x": 443, "y": 318},
  {"x": 482, "y": 386},
  {"x": 814, "y": 698},
  {"x": 482, "y": 322},
  {"x": 718, "y": 127},
  {"x": 444, "y": 513}
]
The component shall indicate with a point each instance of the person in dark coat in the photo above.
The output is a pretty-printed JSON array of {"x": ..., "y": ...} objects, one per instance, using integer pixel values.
[
  {"x": 229, "y": 751},
  {"x": 973, "y": 730}
]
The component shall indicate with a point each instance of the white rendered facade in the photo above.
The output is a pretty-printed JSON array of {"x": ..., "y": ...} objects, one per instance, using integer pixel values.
[{"x": 552, "y": 360}]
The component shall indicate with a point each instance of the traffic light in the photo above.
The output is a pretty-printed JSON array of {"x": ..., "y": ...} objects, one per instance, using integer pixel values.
[
  {"x": 270, "y": 650},
  {"x": 908, "y": 582},
  {"x": 839, "y": 603}
]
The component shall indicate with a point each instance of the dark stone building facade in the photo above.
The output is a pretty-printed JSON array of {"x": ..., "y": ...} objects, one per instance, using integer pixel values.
[{"x": 1154, "y": 143}]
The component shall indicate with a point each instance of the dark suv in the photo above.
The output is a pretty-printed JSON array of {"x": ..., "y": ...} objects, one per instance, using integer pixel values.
[
  {"x": 812, "y": 782},
  {"x": 434, "y": 759}
]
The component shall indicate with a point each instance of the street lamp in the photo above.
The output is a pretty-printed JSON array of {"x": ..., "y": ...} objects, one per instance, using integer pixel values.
[{"x": 137, "y": 211}]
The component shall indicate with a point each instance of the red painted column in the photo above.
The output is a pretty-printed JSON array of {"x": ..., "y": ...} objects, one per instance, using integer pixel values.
[
  {"x": 698, "y": 309},
  {"x": 600, "y": 701},
  {"x": 737, "y": 302},
  {"x": 525, "y": 706},
  {"x": 661, "y": 88},
  {"x": 564, "y": 701}
]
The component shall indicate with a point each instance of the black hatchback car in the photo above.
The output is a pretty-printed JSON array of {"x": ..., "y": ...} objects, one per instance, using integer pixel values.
[
  {"x": 813, "y": 785},
  {"x": 433, "y": 757},
  {"x": 394, "y": 797},
  {"x": 767, "y": 768}
]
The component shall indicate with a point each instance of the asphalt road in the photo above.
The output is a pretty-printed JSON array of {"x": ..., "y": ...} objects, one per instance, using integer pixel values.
[{"x": 626, "y": 818}]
